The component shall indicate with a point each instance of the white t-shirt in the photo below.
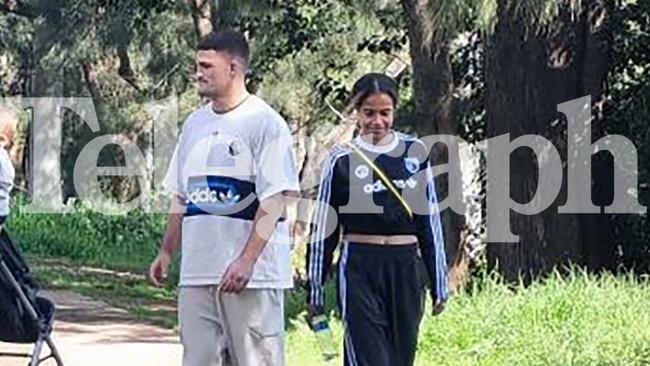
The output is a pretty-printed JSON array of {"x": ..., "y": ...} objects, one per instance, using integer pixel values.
[
  {"x": 223, "y": 166},
  {"x": 7, "y": 174}
]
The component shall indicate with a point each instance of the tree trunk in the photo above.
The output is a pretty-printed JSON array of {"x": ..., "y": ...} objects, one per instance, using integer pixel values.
[
  {"x": 42, "y": 85},
  {"x": 202, "y": 17},
  {"x": 433, "y": 87},
  {"x": 528, "y": 73}
]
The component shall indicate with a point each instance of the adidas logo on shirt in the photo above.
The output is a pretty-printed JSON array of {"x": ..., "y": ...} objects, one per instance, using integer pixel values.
[{"x": 379, "y": 186}]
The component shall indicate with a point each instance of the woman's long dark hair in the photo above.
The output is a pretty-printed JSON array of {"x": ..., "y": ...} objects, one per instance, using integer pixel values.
[{"x": 370, "y": 84}]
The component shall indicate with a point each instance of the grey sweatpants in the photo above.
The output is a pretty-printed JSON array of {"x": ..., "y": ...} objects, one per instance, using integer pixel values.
[{"x": 245, "y": 329}]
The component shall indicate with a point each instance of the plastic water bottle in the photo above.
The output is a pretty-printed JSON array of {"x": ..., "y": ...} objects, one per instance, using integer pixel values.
[{"x": 323, "y": 333}]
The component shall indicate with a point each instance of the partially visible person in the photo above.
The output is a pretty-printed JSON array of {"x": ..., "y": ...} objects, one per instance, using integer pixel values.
[
  {"x": 226, "y": 216},
  {"x": 380, "y": 290},
  {"x": 7, "y": 172}
]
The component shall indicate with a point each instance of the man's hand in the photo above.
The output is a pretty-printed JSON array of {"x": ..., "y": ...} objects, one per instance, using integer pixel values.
[
  {"x": 240, "y": 271},
  {"x": 438, "y": 308},
  {"x": 171, "y": 240},
  {"x": 237, "y": 275},
  {"x": 158, "y": 269}
]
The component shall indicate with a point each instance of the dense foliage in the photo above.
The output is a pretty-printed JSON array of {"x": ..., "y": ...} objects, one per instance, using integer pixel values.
[{"x": 305, "y": 53}]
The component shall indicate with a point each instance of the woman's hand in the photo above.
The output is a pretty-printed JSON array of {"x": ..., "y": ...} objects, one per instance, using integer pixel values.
[
  {"x": 438, "y": 308},
  {"x": 312, "y": 311}
]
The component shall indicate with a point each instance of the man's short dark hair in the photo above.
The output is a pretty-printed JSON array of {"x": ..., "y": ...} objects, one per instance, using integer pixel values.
[{"x": 228, "y": 40}]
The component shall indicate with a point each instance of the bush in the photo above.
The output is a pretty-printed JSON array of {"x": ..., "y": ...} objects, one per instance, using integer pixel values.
[{"x": 128, "y": 241}]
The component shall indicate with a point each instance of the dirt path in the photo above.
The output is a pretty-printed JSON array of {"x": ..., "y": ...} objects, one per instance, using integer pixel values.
[{"x": 88, "y": 332}]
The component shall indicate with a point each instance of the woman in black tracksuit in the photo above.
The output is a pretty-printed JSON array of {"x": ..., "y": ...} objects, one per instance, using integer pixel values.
[{"x": 381, "y": 190}]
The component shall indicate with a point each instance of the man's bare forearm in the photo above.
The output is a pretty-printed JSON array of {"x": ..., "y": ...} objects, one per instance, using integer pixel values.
[
  {"x": 266, "y": 217},
  {"x": 172, "y": 239}
]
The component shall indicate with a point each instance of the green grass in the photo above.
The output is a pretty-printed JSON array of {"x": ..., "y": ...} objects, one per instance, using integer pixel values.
[
  {"x": 126, "y": 242},
  {"x": 574, "y": 320},
  {"x": 578, "y": 319}
]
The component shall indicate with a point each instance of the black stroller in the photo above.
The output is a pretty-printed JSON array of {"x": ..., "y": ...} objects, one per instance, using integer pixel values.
[{"x": 24, "y": 316}]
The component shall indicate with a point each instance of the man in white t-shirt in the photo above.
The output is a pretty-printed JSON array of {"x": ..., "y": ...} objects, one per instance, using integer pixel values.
[{"x": 231, "y": 174}]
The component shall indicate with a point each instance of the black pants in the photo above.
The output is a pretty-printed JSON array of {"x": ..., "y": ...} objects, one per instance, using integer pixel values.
[{"x": 381, "y": 299}]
